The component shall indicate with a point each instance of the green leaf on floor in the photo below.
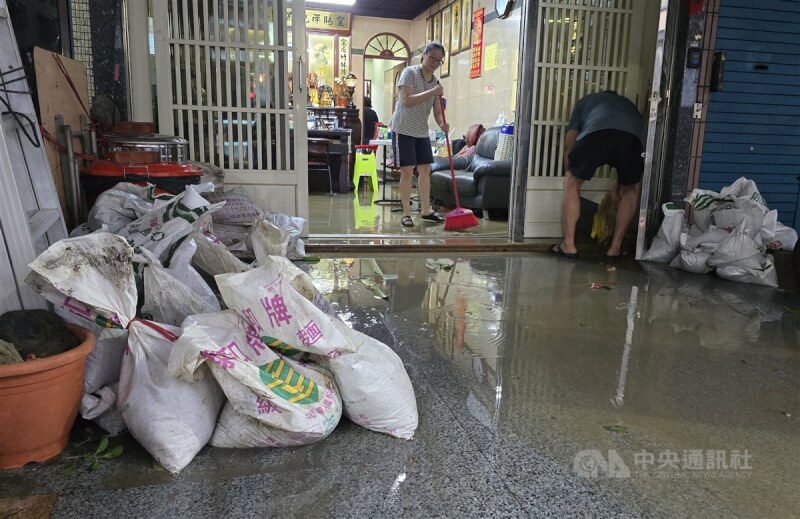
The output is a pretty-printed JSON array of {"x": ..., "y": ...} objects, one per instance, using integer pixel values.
[
  {"x": 103, "y": 445},
  {"x": 616, "y": 428},
  {"x": 792, "y": 309},
  {"x": 113, "y": 453},
  {"x": 311, "y": 259}
]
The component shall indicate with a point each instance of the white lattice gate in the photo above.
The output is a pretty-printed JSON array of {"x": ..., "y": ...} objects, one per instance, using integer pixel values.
[
  {"x": 583, "y": 46},
  {"x": 223, "y": 69}
]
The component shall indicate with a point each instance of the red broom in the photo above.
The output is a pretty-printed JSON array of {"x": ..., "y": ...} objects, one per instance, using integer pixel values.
[{"x": 458, "y": 218}]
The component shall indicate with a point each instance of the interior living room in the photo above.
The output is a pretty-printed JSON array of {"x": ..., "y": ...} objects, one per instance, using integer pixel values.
[{"x": 478, "y": 98}]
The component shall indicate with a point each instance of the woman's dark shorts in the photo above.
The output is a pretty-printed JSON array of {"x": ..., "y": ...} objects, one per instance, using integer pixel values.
[
  {"x": 411, "y": 151},
  {"x": 620, "y": 150}
]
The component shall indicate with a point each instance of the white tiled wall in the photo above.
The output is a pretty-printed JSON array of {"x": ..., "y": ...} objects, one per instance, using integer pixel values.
[
  {"x": 82, "y": 39},
  {"x": 482, "y": 99}
]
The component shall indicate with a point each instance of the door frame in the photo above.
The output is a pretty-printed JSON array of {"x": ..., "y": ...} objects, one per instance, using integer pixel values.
[{"x": 283, "y": 188}]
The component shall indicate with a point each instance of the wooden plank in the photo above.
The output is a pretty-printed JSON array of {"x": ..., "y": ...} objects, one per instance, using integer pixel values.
[{"x": 57, "y": 98}]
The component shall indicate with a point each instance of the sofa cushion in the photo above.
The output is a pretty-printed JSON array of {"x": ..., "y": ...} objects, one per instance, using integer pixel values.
[
  {"x": 441, "y": 183},
  {"x": 466, "y": 184}
]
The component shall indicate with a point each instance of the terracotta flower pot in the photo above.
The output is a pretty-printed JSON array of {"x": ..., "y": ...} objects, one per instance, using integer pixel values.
[{"x": 39, "y": 401}]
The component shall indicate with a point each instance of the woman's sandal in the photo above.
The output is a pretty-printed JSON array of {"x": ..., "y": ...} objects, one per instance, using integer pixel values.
[
  {"x": 406, "y": 221},
  {"x": 433, "y": 217}
]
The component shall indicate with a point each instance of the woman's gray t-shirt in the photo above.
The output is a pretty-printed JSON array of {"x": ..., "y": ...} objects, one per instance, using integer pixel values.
[{"x": 413, "y": 120}]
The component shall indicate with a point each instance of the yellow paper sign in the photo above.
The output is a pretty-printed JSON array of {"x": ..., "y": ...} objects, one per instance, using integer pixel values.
[{"x": 490, "y": 59}]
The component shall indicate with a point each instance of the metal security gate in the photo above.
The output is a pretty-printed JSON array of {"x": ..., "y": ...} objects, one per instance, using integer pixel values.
[
  {"x": 751, "y": 127},
  {"x": 583, "y": 46},
  {"x": 224, "y": 83}
]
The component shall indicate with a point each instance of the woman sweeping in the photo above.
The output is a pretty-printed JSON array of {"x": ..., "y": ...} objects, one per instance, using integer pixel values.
[{"x": 419, "y": 90}]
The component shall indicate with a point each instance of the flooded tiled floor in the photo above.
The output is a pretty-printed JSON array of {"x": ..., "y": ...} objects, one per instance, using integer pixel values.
[{"x": 656, "y": 393}]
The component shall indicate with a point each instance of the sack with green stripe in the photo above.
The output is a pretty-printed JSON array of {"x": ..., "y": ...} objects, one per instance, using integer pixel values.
[
  {"x": 278, "y": 299},
  {"x": 273, "y": 400},
  {"x": 160, "y": 229}
]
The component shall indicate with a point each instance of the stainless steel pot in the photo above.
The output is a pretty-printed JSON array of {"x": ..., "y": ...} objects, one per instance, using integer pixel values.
[{"x": 169, "y": 148}]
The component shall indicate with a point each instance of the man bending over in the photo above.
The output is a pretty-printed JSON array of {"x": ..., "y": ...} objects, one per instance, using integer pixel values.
[{"x": 605, "y": 128}]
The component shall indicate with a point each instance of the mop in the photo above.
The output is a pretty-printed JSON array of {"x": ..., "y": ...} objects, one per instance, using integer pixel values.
[{"x": 458, "y": 218}]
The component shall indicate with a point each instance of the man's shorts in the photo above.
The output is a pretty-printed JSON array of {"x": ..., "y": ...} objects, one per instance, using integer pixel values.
[
  {"x": 620, "y": 150},
  {"x": 411, "y": 151}
]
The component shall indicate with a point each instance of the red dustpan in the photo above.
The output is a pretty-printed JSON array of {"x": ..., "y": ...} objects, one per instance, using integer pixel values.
[{"x": 458, "y": 218}]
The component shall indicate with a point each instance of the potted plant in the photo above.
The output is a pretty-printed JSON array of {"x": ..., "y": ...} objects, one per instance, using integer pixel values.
[{"x": 39, "y": 401}]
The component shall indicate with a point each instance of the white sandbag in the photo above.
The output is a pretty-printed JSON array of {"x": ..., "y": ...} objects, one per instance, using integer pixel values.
[
  {"x": 742, "y": 212},
  {"x": 84, "y": 229},
  {"x": 268, "y": 240},
  {"x": 103, "y": 362},
  {"x": 100, "y": 407},
  {"x": 738, "y": 249},
  {"x": 284, "y": 399},
  {"x": 162, "y": 227},
  {"x": 167, "y": 300},
  {"x": 211, "y": 174},
  {"x": 765, "y": 274},
  {"x": 667, "y": 241},
  {"x": 703, "y": 201},
  {"x": 213, "y": 257},
  {"x": 95, "y": 270},
  {"x": 777, "y": 236},
  {"x": 694, "y": 261},
  {"x": 376, "y": 391},
  {"x": 172, "y": 419},
  {"x": 713, "y": 236},
  {"x": 180, "y": 267},
  {"x": 238, "y": 209},
  {"x": 293, "y": 227},
  {"x": 233, "y": 236},
  {"x": 746, "y": 189},
  {"x": 119, "y": 206}
]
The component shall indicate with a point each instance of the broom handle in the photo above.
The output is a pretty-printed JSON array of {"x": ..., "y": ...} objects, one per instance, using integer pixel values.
[{"x": 449, "y": 155}]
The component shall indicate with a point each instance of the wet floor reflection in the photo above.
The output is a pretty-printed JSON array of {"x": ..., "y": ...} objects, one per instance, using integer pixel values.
[{"x": 652, "y": 361}]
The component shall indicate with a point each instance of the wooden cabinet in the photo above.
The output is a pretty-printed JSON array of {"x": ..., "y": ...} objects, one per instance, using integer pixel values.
[{"x": 346, "y": 118}]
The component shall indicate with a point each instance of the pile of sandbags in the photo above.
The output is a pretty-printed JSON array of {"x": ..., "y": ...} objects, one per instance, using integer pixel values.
[
  {"x": 730, "y": 234},
  {"x": 268, "y": 364},
  {"x": 178, "y": 253}
]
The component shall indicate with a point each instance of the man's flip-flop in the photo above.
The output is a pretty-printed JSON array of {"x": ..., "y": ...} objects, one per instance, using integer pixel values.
[{"x": 557, "y": 250}]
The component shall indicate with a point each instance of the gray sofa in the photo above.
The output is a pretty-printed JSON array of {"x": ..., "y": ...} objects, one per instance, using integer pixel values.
[{"x": 483, "y": 183}]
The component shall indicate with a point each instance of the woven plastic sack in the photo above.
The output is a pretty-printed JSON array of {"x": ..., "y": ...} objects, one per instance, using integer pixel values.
[
  {"x": 276, "y": 299},
  {"x": 172, "y": 419},
  {"x": 272, "y": 399}
]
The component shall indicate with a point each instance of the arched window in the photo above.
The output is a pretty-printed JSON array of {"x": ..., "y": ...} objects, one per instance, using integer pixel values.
[{"x": 387, "y": 46}]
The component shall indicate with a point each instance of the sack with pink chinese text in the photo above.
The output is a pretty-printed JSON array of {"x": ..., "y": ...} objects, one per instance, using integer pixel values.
[
  {"x": 273, "y": 401},
  {"x": 276, "y": 299},
  {"x": 172, "y": 419}
]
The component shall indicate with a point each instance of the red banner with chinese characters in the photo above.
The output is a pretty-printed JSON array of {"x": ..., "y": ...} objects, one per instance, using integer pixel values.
[{"x": 477, "y": 43}]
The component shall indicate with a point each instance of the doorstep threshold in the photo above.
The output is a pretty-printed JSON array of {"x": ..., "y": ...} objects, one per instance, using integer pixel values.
[{"x": 398, "y": 244}]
